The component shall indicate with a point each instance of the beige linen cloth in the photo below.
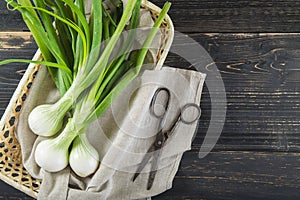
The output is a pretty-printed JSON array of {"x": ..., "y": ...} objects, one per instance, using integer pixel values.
[{"x": 122, "y": 136}]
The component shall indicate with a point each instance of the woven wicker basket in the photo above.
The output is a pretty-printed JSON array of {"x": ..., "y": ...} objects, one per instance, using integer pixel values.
[{"x": 12, "y": 170}]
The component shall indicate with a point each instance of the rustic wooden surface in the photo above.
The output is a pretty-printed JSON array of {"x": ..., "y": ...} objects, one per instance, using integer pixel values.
[{"x": 256, "y": 46}]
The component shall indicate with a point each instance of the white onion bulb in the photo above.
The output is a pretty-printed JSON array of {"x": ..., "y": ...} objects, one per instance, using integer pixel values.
[
  {"x": 84, "y": 158},
  {"x": 47, "y": 120},
  {"x": 53, "y": 154}
]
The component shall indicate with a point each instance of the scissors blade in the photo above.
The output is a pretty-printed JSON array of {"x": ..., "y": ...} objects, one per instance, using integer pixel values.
[
  {"x": 153, "y": 149},
  {"x": 144, "y": 162},
  {"x": 154, "y": 168},
  {"x": 174, "y": 125}
]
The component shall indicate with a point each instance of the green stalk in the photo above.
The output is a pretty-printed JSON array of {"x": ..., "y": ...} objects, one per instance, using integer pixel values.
[
  {"x": 112, "y": 80},
  {"x": 85, "y": 106},
  {"x": 106, "y": 23},
  {"x": 51, "y": 4},
  {"x": 67, "y": 14},
  {"x": 30, "y": 18},
  {"x": 101, "y": 83},
  {"x": 112, "y": 26},
  {"x": 98, "y": 69},
  {"x": 65, "y": 39},
  {"x": 97, "y": 24},
  {"x": 142, "y": 53},
  {"x": 97, "y": 30},
  {"x": 80, "y": 56},
  {"x": 63, "y": 79},
  {"x": 129, "y": 76},
  {"x": 83, "y": 81},
  {"x": 47, "y": 22},
  {"x": 25, "y": 3},
  {"x": 50, "y": 64},
  {"x": 69, "y": 23},
  {"x": 110, "y": 74},
  {"x": 91, "y": 70},
  {"x": 80, "y": 5},
  {"x": 83, "y": 22},
  {"x": 111, "y": 69},
  {"x": 33, "y": 23},
  {"x": 110, "y": 19}
]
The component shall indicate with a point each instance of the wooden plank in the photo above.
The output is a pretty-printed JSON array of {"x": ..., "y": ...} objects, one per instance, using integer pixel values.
[
  {"x": 226, "y": 175},
  {"x": 261, "y": 76},
  {"x": 237, "y": 175},
  {"x": 211, "y": 16},
  {"x": 234, "y": 16},
  {"x": 13, "y": 45},
  {"x": 10, "y": 20},
  {"x": 9, "y": 193}
]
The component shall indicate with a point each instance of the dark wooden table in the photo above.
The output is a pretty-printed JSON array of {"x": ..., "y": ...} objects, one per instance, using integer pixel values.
[{"x": 256, "y": 47}]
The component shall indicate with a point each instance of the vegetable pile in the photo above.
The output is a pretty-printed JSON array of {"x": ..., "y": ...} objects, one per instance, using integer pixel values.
[{"x": 87, "y": 73}]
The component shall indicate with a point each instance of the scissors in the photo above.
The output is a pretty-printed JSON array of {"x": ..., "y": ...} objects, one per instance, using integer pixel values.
[{"x": 162, "y": 136}]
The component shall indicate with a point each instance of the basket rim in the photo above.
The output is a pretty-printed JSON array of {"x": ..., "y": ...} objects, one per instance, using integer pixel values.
[
  {"x": 30, "y": 70},
  {"x": 6, "y": 116},
  {"x": 167, "y": 47}
]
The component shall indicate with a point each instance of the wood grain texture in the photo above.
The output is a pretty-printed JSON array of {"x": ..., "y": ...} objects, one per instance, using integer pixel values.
[
  {"x": 261, "y": 76},
  {"x": 237, "y": 175},
  {"x": 226, "y": 175},
  {"x": 10, "y": 20},
  {"x": 9, "y": 193},
  {"x": 13, "y": 45},
  {"x": 235, "y": 16},
  {"x": 210, "y": 16}
]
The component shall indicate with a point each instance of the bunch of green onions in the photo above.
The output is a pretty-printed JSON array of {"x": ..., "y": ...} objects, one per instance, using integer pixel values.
[{"x": 86, "y": 73}]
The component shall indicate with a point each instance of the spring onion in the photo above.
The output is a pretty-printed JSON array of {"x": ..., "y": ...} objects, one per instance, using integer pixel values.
[
  {"x": 88, "y": 74},
  {"x": 83, "y": 80}
]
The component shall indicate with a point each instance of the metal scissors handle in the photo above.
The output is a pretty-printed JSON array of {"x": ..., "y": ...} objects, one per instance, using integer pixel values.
[
  {"x": 184, "y": 119},
  {"x": 153, "y": 111},
  {"x": 181, "y": 117},
  {"x": 162, "y": 136}
]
